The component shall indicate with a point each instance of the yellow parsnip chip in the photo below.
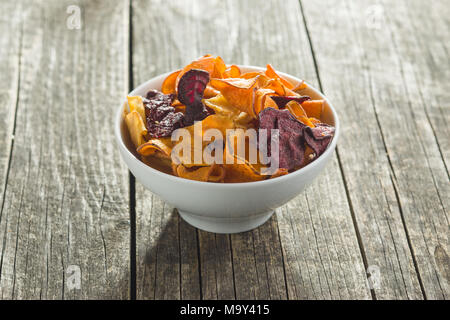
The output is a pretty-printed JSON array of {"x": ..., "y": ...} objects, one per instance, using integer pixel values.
[
  {"x": 136, "y": 128},
  {"x": 136, "y": 103}
]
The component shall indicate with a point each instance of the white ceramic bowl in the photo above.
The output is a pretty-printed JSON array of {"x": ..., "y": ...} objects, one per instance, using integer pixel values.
[{"x": 223, "y": 207}]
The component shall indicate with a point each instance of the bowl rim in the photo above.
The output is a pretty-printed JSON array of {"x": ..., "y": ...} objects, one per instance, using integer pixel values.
[{"x": 310, "y": 167}]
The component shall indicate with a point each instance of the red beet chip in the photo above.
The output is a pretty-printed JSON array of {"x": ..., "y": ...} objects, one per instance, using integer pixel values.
[
  {"x": 196, "y": 113},
  {"x": 191, "y": 87},
  {"x": 158, "y": 96},
  {"x": 281, "y": 101},
  {"x": 165, "y": 127},
  {"x": 162, "y": 119},
  {"x": 290, "y": 140},
  {"x": 319, "y": 137}
]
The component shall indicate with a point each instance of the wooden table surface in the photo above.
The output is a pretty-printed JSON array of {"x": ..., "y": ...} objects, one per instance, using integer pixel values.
[{"x": 374, "y": 225}]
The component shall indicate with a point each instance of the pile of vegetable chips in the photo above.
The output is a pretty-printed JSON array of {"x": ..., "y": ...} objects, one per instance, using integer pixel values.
[{"x": 211, "y": 122}]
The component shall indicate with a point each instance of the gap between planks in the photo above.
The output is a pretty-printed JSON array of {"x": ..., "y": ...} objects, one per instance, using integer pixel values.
[
  {"x": 132, "y": 179},
  {"x": 349, "y": 201}
]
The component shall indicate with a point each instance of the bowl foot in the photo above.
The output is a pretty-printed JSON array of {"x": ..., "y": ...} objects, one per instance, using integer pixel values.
[{"x": 225, "y": 225}]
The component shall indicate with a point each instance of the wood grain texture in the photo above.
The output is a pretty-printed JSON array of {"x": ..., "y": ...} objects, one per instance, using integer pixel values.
[
  {"x": 377, "y": 64},
  {"x": 290, "y": 256},
  {"x": 382, "y": 203},
  {"x": 66, "y": 199},
  {"x": 10, "y": 47}
]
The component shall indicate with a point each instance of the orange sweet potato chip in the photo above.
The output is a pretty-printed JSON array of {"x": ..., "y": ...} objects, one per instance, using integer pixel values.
[
  {"x": 250, "y": 75},
  {"x": 164, "y": 145},
  {"x": 300, "y": 86},
  {"x": 313, "y": 108},
  {"x": 193, "y": 173},
  {"x": 270, "y": 72},
  {"x": 232, "y": 71},
  {"x": 238, "y": 92},
  {"x": 213, "y": 173},
  {"x": 296, "y": 109},
  {"x": 207, "y": 63},
  {"x": 260, "y": 99},
  {"x": 217, "y": 173},
  {"x": 214, "y": 65},
  {"x": 210, "y": 92},
  {"x": 241, "y": 173},
  {"x": 219, "y": 68},
  {"x": 168, "y": 86}
]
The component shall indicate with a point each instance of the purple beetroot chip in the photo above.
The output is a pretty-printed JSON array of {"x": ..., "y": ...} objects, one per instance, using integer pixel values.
[
  {"x": 190, "y": 93},
  {"x": 281, "y": 101},
  {"x": 319, "y": 137},
  {"x": 191, "y": 87},
  {"x": 166, "y": 126},
  {"x": 196, "y": 112},
  {"x": 291, "y": 142},
  {"x": 293, "y": 136},
  {"x": 162, "y": 119}
]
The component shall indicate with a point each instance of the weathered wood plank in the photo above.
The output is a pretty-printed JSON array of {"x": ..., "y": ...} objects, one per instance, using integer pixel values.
[
  {"x": 10, "y": 47},
  {"x": 66, "y": 199},
  {"x": 260, "y": 44},
  {"x": 266, "y": 263},
  {"x": 388, "y": 85},
  {"x": 427, "y": 62},
  {"x": 216, "y": 266},
  {"x": 260, "y": 252},
  {"x": 167, "y": 265}
]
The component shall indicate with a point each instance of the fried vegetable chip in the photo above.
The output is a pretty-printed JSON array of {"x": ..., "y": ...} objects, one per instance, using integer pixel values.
[
  {"x": 210, "y": 92},
  {"x": 242, "y": 173},
  {"x": 238, "y": 92},
  {"x": 232, "y": 72},
  {"x": 251, "y": 75},
  {"x": 291, "y": 142},
  {"x": 313, "y": 108},
  {"x": 238, "y": 168},
  {"x": 297, "y": 111},
  {"x": 168, "y": 86},
  {"x": 220, "y": 105},
  {"x": 219, "y": 68},
  {"x": 190, "y": 92},
  {"x": 206, "y": 63},
  {"x": 214, "y": 173},
  {"x": 136, "y": 128},
  {"x": 192, "y": 86},
  {"x": 319, "y": 137},
  {"x": 281, "y": 101},
  {"x": 300, "y": 86},
  {"x": 193, "y": 173},
  {"x": 260, "y": 98},
  {"x": 162, "y": 119},
  {"x": 270, "y": 72},
  {"x": 163, "y": 145},
  {"x": 136, "y": 103}
]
